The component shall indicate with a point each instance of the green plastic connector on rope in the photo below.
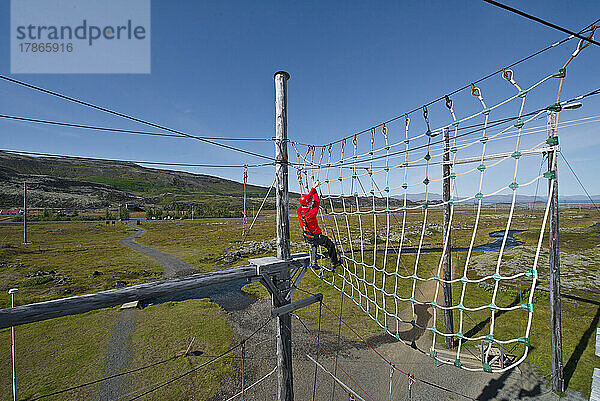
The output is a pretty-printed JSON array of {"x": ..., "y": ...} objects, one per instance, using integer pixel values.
[
  {"x": 405, "y": 185},
  {"x": 490, "y": 337},
  {"x": 519, "y": 124},
  {"x": 426, "y": 181},
  {"x": 550, "y": 174},
  {"x": 452, "y": 176},
  {"x": 372, "y": 191},
  {"x": 485, "y": 112},
  {"x": 339, "y": 178},
  {"x": 427, "y": 157},
  {"x": 460, "y": 307},
  {"x": 487, "y": 368},
  {"x": 414, "y": 277},
  {"x": 555, "y": 107},
  {"x": 387, "y": 189},
  {"x": 434, "y": 330},
  {"x": 561, "y": 73},
  {"x": 483, "y": 139},
  {"x": 356, "y": 194},
  {"x": 522, "y": 94},
  {"x": 457, "y": 363},
  {"x": 479, "y": 196},
  {"x": 525, "y": 341},
  {"x": 412, "y": 300},
  {"x": 428, "y": 133},
  {"x": 527, "y": 307},
  {"x": 531, "y": 273},
  {"x": 406, "y": 141},
  {"x": 386, "y": 169},
  {"x": 437, "y": 278},
  {"x": 451, "y": 201},
  {"x": 460, "y": 335},
  {"x": 387, "y": 147},
  {"x": 516, "y": 154},
  {"x": 433, "y": 304},
  {"x": 404, "y": 208},
  {"x": 453, "y": 149},
  {"x": 552, "y": 140},
  {"x": 455, "y": 124},
  {"x": 497, "y": 277},
  {"x": 464, "y": 279},
  {"x": 432, "y": 353},
  {"x": 425, "y": 205},
  {"x": 513, "y": 186},
  {"x": 481, "y": 167},
  {"x": 492, "y": 306}
]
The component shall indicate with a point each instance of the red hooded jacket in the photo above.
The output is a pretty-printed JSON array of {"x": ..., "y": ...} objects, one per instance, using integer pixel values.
[{"x": 311, "y": 214}]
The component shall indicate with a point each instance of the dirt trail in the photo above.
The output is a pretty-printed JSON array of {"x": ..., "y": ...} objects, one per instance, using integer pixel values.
[
  {"x": 118, "y": 355},
  {"x": 173, "y": 266}
]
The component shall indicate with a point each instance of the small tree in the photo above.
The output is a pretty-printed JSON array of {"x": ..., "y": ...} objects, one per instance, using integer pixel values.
[
  {"x": 149, "y": 214},
  {"x": 124, "y": 213}
]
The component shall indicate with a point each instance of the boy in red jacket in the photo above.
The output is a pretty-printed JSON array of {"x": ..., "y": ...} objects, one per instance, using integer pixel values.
[{"x": 307, "y": 217}]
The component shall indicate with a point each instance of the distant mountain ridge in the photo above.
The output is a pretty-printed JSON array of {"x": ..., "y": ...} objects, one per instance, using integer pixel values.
[{"x": 86, "y": 183}]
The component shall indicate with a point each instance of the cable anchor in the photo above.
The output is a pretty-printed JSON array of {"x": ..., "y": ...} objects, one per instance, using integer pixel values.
[{"x": 448, "y": 102}]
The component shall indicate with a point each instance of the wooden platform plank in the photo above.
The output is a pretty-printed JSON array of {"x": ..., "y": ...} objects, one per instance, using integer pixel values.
[
  {"x": 595, "y": 395},
  {"x": 105, "y": 299}
]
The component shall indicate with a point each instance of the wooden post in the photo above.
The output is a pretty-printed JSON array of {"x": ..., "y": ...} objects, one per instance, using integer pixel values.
[
  {"x": 285, "y": 391},
  {"x": 25, "y": 214},
  {"x": 281, "y": 168},
  {"x": 554, "y": 261},
  {"x": 447, "y": 256}
]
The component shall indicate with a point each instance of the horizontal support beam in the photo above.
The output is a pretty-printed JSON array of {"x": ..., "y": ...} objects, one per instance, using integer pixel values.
[
  {"x": 477, "y": 159},
  {"x": 106, "y": 299},
  {"x": 282, "y": 310}
]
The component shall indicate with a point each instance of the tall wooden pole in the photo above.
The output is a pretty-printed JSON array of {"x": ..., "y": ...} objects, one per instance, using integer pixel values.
[
  {"x": 25, "y": 213},
  {"x": 447, "y": 257},
  {"x": 554, "y": 261},
  {"x": 285, "y": 381}
]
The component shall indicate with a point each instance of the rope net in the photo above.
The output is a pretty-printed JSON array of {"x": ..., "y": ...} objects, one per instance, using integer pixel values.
[{"x": 381, "y": 205}]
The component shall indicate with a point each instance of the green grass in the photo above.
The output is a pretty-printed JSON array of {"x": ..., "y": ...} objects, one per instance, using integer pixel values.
[
  {"x": 168, "y": 329},
  {"x": 59, "y": 353},
  {"x": 72, "y": 251},
  {"x": 56, "y": 354}
]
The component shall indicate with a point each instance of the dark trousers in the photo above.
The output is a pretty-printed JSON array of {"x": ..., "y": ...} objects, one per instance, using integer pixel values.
[{"x": 323, "y": 240}]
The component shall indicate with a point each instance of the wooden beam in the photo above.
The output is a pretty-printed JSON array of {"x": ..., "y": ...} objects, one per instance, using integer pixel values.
[
  {"x": 296, "y": 305},
  {"x": 106, "y": 299},
  {"x": 595, "y": 394},
  {"x": 285, "y": 382}
]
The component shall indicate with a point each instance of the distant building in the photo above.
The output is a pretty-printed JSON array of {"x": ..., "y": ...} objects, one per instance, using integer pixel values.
[
  {"x": 133, "y": 207},
  {"x": 11, "y": 212}
]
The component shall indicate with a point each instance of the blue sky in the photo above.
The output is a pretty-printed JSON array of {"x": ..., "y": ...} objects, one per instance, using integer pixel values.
[{"x": 353, "y": 64}]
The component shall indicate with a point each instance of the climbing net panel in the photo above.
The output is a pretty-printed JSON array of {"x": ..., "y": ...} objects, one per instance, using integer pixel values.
[{"x": 382, "y": 203}]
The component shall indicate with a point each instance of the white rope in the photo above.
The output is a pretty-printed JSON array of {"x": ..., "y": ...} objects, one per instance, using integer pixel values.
[
  {"x": 341, "y": 383},
  {"x": 253, "y": 384},
  {"x": 370, "y": 276}
]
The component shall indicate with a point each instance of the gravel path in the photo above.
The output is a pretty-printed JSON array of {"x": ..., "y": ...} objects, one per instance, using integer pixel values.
[
  {"x": 118, "y": 356},
  {"x": 173, "y": 266}
]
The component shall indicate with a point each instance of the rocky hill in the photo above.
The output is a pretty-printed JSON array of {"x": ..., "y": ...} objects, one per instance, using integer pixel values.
[{"x": 94, "y": 184}]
